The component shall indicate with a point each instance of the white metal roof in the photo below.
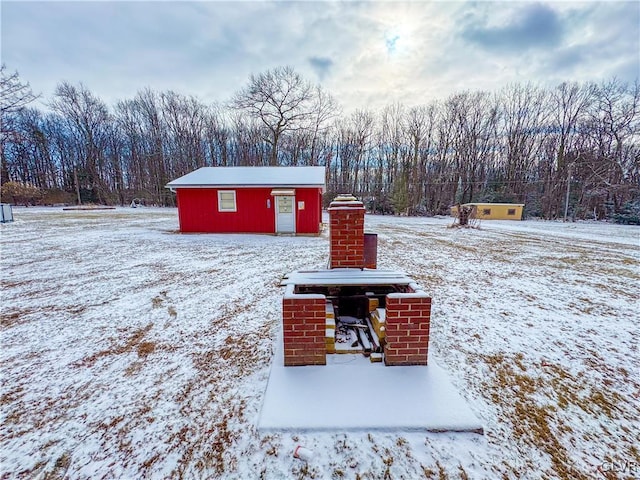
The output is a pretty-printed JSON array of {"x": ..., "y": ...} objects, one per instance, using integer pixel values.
[{"x": 251, "y": 177}]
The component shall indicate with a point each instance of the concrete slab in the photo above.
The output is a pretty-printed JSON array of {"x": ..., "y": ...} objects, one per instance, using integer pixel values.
[{"x": 351, "y": 393}]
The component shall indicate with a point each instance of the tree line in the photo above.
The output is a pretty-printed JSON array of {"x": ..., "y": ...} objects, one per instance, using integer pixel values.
[{"x": 570, "y": 149}]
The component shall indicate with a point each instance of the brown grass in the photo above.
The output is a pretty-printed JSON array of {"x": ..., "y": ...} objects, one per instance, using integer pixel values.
[
  {"x": 132, "y": 343},
  {"x": 16, "y": 317},
  {"x": 10, "y": 319},
  {"x": 217, "y": 438},
  {"x": 428, "y": 472},
  {"x": 514, "y": 389},
  {"x": 146, "y": 348},
  {"x": 8, "y": 284},
  {"x": 60, "y": 468},
  {"x": 158, "y": 300}
]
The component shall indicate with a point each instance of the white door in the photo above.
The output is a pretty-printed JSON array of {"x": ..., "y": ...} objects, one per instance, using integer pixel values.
[{"x": 285, "y": 214}]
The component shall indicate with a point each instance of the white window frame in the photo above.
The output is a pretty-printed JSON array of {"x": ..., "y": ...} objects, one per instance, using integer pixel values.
[{"x": 235, "y": 204}]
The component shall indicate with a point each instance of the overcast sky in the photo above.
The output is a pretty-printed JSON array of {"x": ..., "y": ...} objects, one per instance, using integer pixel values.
[{"x": 366, "y": 54}]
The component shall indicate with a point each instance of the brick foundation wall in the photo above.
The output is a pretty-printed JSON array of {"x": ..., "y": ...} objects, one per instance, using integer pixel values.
[
  {"x": 407, "y": 328},
  {"x": 346, "y": 223},
  {"x": 304, "y": 324}
]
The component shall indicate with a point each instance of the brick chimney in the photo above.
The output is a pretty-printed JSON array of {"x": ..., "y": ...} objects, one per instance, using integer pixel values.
[{"x": 346, "y": 221}]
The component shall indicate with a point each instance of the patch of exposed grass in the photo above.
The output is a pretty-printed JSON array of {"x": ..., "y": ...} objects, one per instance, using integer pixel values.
[
  {"x": 158, "y": 300},
  {"x": 515, "y": 390},
  {"x": 463, "y": 473},
  {"x": 12, "y": 395},
  {"x": 611, "y": 271},
  {"x": 457, "y": 246},
  {"x": 611, "y": 289},
  {"x": 573, "y": 260},
  {"x": 132, "y": 343},
  {"x": 11, "y": 319},
  {"x": 59, "y": 469},
  {"x": 428, "y": 472},
  {"x": 532, "y": 424},
  {"x": 209, "y": 447},
  {"x": 9, "y": 284},
  {"x": 388, "y": 462},
  {"x": 338, "y": 473},
  {"x": 571, "y": 391},
  {"x": 17, "y": 317},
  {"x": 429, "y": 280},
  {"x": 145, "y": 348}
]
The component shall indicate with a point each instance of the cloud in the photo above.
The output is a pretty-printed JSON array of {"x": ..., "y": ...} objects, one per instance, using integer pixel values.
[
  {"x": 535, "y": 25},
  {"x": 321, "y": 65},
  {"x": 601, "y": 41},
  {"x": 566, "y": 59},
  {"x": 367, "y": 54}
]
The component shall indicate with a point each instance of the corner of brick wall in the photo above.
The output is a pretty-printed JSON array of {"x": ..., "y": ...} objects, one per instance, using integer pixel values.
[
  {"x": 407, "y": 328},
  {"x": 304, "y": 324}
]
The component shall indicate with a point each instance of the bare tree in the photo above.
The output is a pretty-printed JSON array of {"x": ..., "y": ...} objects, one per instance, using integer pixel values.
[
  {"x": 14, "y": 94},
  {"x": 186, "y": 120},
  {"x": 524, "y": 115},
  {"x": 387, "y": 183},
  {"x": 281, "y": 99},
  {"x": 475, "y": 117},
  {"x": 419, "y": 125},
  {"x": 569, "y": 103},
  {"x": 443, "y": 177},
  {"x": 352, "y": 144},
  {"x": 218, "y": 136},
  {"x": 88, "y": 119},
  {"x": 609, "y": 151},
  {"x": 247, "y": 146},
  {"x": 324, "y": 110},
  {"x": 576, "y": 145}
]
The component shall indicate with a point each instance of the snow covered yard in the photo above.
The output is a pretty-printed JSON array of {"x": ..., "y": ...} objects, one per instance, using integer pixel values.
[{"x": 131, "y": 351}]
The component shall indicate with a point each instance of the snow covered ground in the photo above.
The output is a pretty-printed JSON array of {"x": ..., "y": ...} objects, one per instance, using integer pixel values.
[{"x": 132, "y": 351}]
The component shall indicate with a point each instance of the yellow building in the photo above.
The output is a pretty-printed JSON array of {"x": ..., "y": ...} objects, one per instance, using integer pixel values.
[{"x": 493, "y": 211}]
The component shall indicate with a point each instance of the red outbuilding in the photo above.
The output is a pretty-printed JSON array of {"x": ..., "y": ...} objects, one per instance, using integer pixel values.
[{"x": 250, "y": 199}]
